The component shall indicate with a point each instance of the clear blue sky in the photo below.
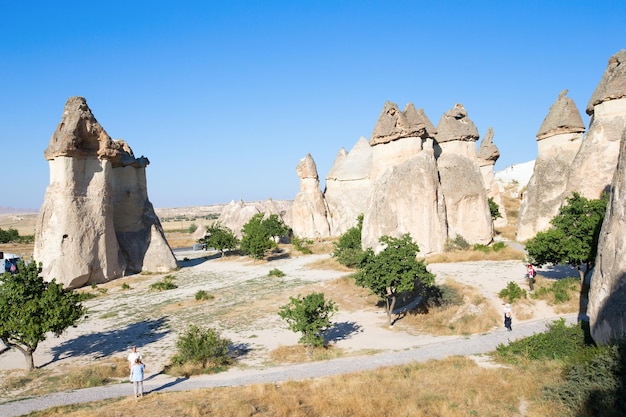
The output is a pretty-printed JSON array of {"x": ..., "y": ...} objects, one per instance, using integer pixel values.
[{"x": 225, "y": 97}]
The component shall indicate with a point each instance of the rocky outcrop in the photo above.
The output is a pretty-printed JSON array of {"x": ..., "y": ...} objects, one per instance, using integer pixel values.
[
  {"x": 607, "y": 293},
  {"x": 405, "y": 196},
  {"x": 487, "y": 155},
  {"x": 467, "y": 207},
  {"x": 309, "y": 211},
  {"x": 237, "y": 213},
  {"x": 558, "y": 141},
  {"x": 348, "y": 187},
  {"x": 594, "y": 165},
  {"x": 96, "y": 223}
]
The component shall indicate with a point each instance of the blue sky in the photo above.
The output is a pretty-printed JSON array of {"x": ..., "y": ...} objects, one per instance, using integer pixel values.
[{"x": 225, "y": 97}]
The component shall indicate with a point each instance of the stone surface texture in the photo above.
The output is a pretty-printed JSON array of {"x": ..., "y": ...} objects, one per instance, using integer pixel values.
[
  {"x": 558, "y": 141},
  {"x": 309, "y": 216},
  {"x": 467, "y": 207},
  {"x": 487, "y": 155},
  {"x": 96, "y": 222},
  {"x": 607, "y": 293}
]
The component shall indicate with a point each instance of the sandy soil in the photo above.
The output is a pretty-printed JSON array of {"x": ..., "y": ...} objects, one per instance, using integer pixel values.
[{"x": 244, "y": 309}]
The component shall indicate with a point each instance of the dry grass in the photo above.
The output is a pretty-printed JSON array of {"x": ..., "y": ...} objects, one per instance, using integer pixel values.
[
  {"x": 506, "y": 254},
  {"x": 449, "y": 388},
  {"x": 511, "y": 203},
  {"x": 297, "y": 354},
  {"x": 570, "y": 306},
  {"x": 474, "y": 315},
  {"x": 64, "y": 378}
]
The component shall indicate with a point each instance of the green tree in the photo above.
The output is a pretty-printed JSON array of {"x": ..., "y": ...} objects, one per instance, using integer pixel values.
[
  {"x": 259, "y": 235},
  {"x": 30, "y": 308},
  {"x": 220, "y": 237},
  {"x": 393, "y": 271},
  {"x": 9, "y": 235},
  {"x": 348, "y": 250},
  {"x": 494, "y": 209},
  {"x": 202, "y": 346},
  {"x": 573, "y": 238},
  {"x": 309, "y": 315}
]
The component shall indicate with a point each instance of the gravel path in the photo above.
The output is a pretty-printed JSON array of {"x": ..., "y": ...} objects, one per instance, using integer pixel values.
[{"x": 470, "y": 345}]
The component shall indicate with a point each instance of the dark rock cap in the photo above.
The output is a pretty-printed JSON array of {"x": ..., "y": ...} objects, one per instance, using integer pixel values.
[
  {"x": 612, "y": 86},
  {"x": 563, "y": 117},
  {"x": 394, "y": 124},
  {"x": 487, "y": 150},
  {"x": 455, "y": 125},
  {"x": 80, "y": 135}
]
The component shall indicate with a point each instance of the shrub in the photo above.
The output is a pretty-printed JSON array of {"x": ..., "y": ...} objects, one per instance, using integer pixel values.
[
  {"x": 458, "y": 243},
  {"x": 300, "y": 245},
  {"x": 276, "y": 273},
  {"x": 348, "y": 250},
  {"x": 494, "y": 209},
  {"x": 558, "y": 342},
  {"x": 203, "y": 295},
  {"x": 512, "y": 292},
  {"x": 594, "y": 385},
  {"x": 202, "y": 346},
  {"x": 498, "y": 246},
  {"x": 442, "y": 296},
  {"x": 165, "y": 284},
  {"x": 481, "y": 248},
  {"x": 192, "y": 228},
  {"x": 125, "y": 286}
]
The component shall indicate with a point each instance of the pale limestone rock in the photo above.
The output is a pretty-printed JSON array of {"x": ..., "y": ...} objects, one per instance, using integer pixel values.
[
  {"x": 467, "y": 207},
  {"x": 558, "y": 141},
  {"x": 406, "y": 198},
  {"x": 488, "y": 154},
  {"x": 309, "y": 211},
  {"x": 348, "y": 187},
  {"x": 394, "y": 124},
  {"x": 236, "y": 214},
  {"x": 77, "y": 230},
  {"x": 607, "y": 293},
  {"x": 594, "y": 165}
]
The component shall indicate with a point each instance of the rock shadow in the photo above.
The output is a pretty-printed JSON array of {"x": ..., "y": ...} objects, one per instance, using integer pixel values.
[
  {"x": 113, "y": 342},
  {"x": 197, "y": 261},
  {"x": 342, "y": 331},
  {"x": 239, "y": 350}
]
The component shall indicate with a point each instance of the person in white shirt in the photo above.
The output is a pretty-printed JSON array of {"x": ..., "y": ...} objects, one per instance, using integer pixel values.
[{"x": 133, "y": 356}]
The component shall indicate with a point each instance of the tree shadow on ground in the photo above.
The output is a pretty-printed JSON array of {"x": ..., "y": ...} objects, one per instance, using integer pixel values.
[
  {"x": 197, "y": 261},
  {"x": 104, "y": 344},
  {"x": 557, "y": 271},
  {"x": 277, "y": 256},
  {"x": 342, "y": 331},
  {"x": 238, "y": 350}
]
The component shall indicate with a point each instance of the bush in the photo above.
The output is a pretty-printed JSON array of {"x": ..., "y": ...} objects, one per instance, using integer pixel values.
[
  {"x": 192, "y": 228},
  {"x": 558, "y": 342},
  {"x": 348, "y": 250},
  {"x": 202, "y": 346},
  {"x": 203, "y": 295},
  {"x": 276, "y": 273},
  {"x": 125, "y": 286},
  {"x": 300, "y": 245},
  {"x": 481, "y": 248},
  {"x": 458, "y": 243},
  {"x": 595, "y": 384},
  {"x": 512, "y": 292},
  {"x": 442, "y": 296},
  {"x": 498, "y": 246},
  {"x": 165, "y": 284}
]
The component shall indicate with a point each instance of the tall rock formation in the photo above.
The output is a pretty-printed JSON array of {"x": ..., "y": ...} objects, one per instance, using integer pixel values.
[
  {"x": 348, "y": 187},
  {"x": 594, "y": 165},
  {"x": 309, "y": 211},
  {"x": 467, "y": 207},
  {"x": 237, "y": 213},
  {"x": 487, "y": 155},
  {"x": 558, "y": 141},
  {"x": 405, "y": 196},
  {"x": 607, "y": 293},
  {"x": 77, "y": 229}
]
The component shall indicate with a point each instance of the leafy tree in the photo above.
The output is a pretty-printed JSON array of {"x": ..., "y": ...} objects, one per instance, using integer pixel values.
[
  {"x": 348, "y": 250},
  {"x": 573, "y": 238},
  {"x": 259, "y": 234},
  {"x": 10, "y": 235},
  {"x": 202, "y": 346},
  {"x": 310, "y": 315},
  {"x": 393, "y": 271},
  {"x": 31, "y": 307},
  {"x": 220, "y": 237},
  {"x": 494, "y": 209}
]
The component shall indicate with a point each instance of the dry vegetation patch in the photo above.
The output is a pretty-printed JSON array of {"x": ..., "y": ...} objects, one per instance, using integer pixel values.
[
  {"x": 506, "y": 254},
  {"x": 452, "y": 387}
]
